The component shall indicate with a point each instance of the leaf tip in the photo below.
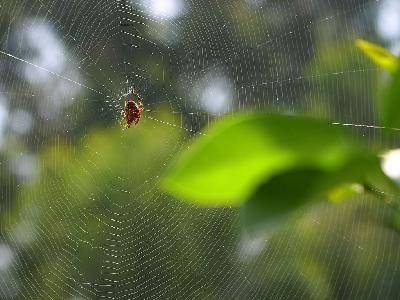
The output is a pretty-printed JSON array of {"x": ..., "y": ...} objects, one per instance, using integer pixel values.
[{"x": 378, "y": 54}]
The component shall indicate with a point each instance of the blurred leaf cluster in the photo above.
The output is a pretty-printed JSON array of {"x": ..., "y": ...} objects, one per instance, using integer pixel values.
[{"x": 273, "y": 164}]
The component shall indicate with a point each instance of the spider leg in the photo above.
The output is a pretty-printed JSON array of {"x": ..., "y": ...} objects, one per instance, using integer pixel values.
[
  {"x": 140, "y": 107},
  {"x": 137, "y": 120}
]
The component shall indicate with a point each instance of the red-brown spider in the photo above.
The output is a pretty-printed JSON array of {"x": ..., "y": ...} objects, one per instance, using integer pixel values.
[{"x": 132, "y": 111}]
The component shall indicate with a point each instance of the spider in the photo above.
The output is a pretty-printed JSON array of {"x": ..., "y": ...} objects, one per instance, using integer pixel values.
[{"x": 132, "y": 111}]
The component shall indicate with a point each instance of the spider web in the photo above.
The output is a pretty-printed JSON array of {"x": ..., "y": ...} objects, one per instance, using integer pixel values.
[{"x": 82, "y": 216}]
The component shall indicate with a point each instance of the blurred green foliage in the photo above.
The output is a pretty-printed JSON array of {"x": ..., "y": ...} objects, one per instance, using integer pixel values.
[
  {"x": 389, "y": 105},
  {"x": 92, "y": 182},
  {"x": 95, "y": 224},
  {"x": 340, "y": 75},
  {"x": 96, "y": 214}
]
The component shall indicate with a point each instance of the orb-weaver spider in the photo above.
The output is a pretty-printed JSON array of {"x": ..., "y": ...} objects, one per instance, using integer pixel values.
[{"x": 132, "y": 110}]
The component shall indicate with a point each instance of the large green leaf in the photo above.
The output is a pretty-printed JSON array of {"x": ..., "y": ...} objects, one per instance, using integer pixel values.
[
  {"x": 379, "y": 55},
  {"x": 239, "y": 154}
]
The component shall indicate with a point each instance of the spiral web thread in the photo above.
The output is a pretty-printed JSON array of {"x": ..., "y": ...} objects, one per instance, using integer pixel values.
[{"x": 154, "y": 246}]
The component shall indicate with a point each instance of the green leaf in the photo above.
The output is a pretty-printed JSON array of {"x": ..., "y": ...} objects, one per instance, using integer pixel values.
[
  {"x": 390, "y": 104},
  {"x": 273, "y": 202},
  {"x": 379, "y": 55},
  {"x": 239, "y": 154},
  {"x": 274, "y": 164}
]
